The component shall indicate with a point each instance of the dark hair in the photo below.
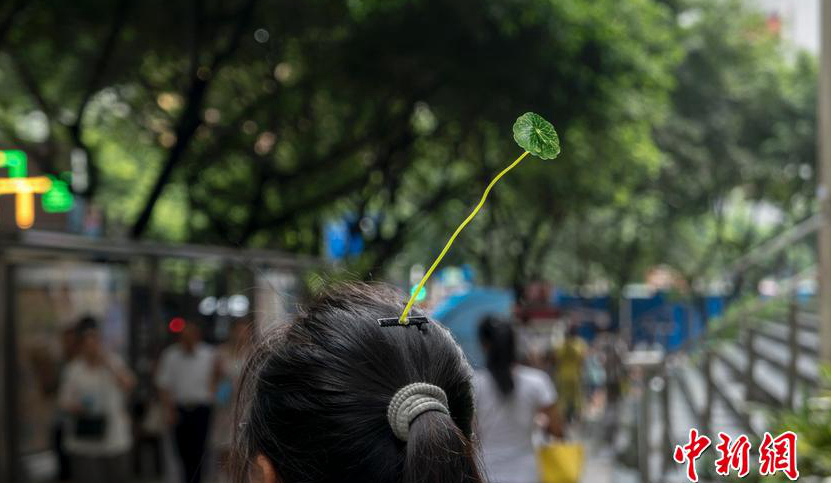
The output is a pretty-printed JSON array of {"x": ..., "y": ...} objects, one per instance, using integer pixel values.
[
  {"x": 315, "y": 394},
  {"x": 498, "y": 340},
  {"x": 85, "y": 324},
  {"x": 573, "y": 331}
]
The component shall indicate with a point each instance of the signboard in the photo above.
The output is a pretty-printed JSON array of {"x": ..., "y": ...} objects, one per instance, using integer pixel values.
[
  {"x": 56, "y": 198},
  {"x": 342, "y": 238}
]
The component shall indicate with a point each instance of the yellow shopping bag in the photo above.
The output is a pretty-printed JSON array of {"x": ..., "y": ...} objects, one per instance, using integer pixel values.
[{"x": 560, "y": 462}]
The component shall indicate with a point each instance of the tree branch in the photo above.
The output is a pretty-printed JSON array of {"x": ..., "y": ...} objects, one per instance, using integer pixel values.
[
  {"x": 189, "y": 121},
  {"x": 31, "y": 84},
  {"x": 11, "y": 15},
  {"x": 94, "y": 83},
  {"x": 323, "y": 197}
]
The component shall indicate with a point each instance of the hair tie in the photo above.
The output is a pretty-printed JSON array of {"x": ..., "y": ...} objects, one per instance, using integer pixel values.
[{"x": 411, "y": 401}]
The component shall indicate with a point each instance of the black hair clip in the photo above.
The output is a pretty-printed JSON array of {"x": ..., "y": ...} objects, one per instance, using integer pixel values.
[{"x": 417, "y": 321}]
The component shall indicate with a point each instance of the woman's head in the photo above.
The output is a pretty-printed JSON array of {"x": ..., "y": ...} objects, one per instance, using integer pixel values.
[
  {"x": 499, "y": 344},
  {"x": 88, "y": 339},
  {"x": 191, "y": 335},
  {"x": 315, "y": 395}
]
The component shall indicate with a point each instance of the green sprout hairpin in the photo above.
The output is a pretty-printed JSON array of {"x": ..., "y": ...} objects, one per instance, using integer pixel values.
[{"x": 533, "y": 134}]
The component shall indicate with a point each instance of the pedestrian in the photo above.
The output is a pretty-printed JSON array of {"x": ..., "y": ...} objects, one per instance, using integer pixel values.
[
  {"x": 568, "y": 369},
  {"x": 509, "y": 397},
  {"x": 594, "y": 379},
  {"x": 93, "y": 393},
  {"x": 333, "y": 397},
  {"x": 187, "y": 378}
]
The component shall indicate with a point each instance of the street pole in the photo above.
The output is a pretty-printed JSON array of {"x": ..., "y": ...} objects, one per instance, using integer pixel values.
[{"x": 823, "y": 193}]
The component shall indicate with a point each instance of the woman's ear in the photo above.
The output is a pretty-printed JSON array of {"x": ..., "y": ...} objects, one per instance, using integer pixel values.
[{"x": 264, "y": 470}]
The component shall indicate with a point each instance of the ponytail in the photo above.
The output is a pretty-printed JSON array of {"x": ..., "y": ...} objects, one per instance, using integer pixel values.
[
  {"x": 333, "y": 397},
  {"x": 439, "y": 452},
  {"x": 498, "y": 338}
]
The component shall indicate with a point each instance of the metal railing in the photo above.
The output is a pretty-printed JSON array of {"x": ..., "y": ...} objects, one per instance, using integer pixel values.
[{"x": 655, "y": 400}]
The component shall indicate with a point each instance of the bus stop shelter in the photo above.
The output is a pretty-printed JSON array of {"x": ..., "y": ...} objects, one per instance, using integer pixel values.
[{"x": 48, "y": 280}]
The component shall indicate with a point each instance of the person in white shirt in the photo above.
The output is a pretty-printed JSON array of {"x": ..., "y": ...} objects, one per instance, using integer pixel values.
[
  {"x": 93, "y": 393},
  {"x": 509, "y": 396},
  {"x": 187, "y": 376}
]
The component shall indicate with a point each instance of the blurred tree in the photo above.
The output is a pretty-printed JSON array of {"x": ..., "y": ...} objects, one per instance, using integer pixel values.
[
  {"x": 738, "y": 149},
  {"x": 250, "y": 123},
  {"x": 620, "y": 78},
  {"x": 743, "y": 141}
]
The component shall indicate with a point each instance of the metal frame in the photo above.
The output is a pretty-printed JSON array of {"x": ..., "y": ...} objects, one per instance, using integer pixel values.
[
  {"x": 33, "y": 242},
  {"x": 9, "y": 460},
  {"x": 824, "y": 185}
]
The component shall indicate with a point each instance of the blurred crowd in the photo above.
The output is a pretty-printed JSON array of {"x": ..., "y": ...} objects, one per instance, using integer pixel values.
[
  {"x": 104, "y": 431},
  {"x": 541, "y": 379}
]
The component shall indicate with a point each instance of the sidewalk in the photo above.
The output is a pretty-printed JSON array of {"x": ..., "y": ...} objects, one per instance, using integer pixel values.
[{"x": 600, "y": 464}]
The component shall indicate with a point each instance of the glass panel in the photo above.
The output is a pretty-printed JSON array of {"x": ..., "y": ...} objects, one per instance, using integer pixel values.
[
  {"x": 4, "y": 355},
  {"x": 276, "y": 295},
  {"x": 49, "y": 300}
]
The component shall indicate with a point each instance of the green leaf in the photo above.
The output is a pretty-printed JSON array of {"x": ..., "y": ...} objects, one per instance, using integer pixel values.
[{"x": 537, "y": 136}]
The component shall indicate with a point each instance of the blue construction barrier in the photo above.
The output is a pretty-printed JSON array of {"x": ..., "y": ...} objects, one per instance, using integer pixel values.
[
  {"x": 671, "y": 324},
  {"x": 586, "y": 328},
  {"x": 655, "y": 320}
]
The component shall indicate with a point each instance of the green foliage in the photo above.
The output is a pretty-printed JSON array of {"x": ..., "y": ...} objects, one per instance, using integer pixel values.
[
  {"x": 742, "y": 314},
  {"x": 537, "y": 136},
  {"x": 812, "y": 425},
  {"x": 742, "y": 126},
  {"x": 251, "y": 123},
  {"x": 739, "y": 136},
  {"x": 332, "y": 109}
]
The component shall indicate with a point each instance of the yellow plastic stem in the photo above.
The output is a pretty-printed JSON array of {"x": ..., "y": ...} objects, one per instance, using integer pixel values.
[{"x": 403, "y": 319}]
